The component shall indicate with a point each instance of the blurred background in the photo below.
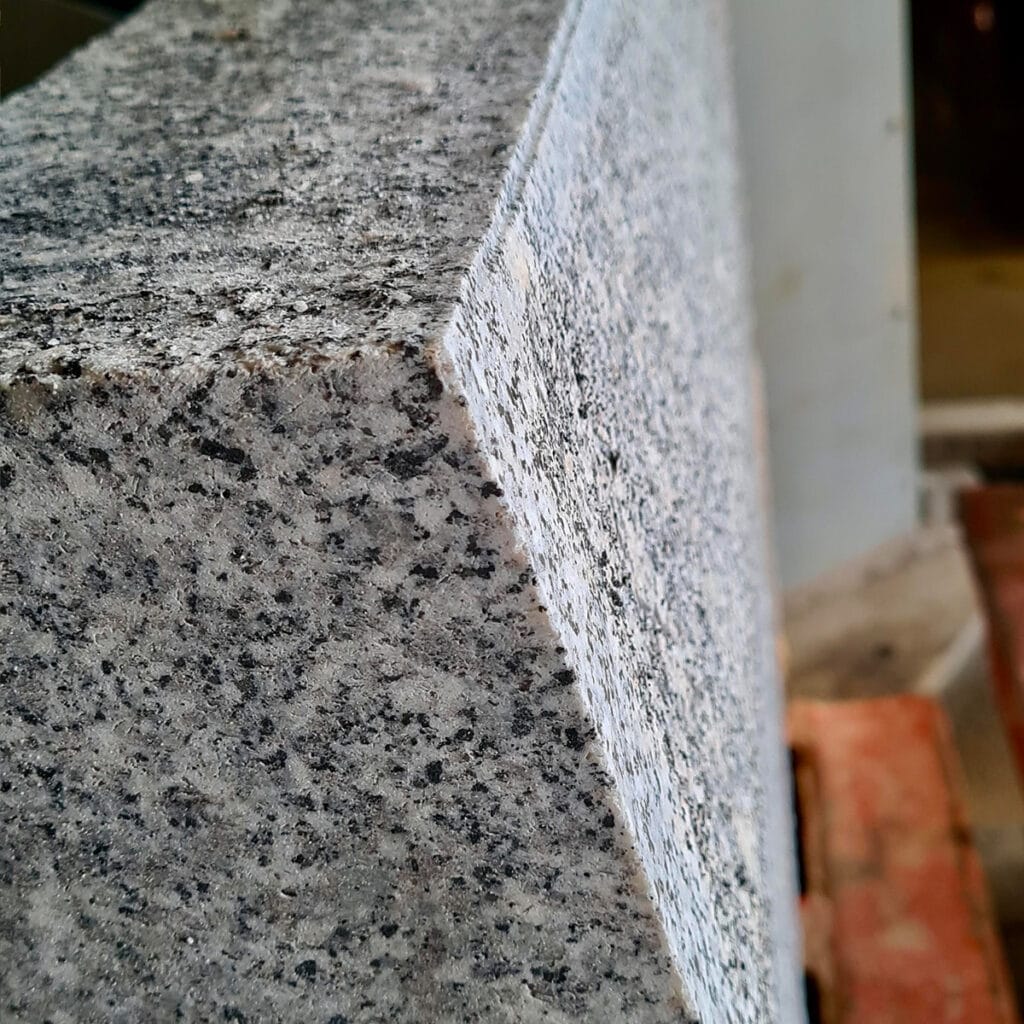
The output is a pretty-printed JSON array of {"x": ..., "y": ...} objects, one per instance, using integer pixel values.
[
  {"x": 882, "y": 146},
  {"x": 35, "y": 34}
]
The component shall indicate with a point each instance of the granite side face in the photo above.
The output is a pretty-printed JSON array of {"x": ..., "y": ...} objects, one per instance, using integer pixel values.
[
  {"x": 606, "y": 310},
  {"x": 382, "y": 624}
]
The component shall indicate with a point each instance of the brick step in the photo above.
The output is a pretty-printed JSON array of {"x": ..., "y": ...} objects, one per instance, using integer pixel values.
[
  {"x": 897, "y": 922},
  {"x": 993, "y": 522}
]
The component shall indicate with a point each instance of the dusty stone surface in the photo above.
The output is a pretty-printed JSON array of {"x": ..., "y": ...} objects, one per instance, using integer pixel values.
[
  {"x": 383, "y": 621},
  {"x": 220, "y": 179}
]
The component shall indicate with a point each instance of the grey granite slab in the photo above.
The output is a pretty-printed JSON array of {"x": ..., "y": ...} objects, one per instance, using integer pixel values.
[{"x": 383, "y": 625}]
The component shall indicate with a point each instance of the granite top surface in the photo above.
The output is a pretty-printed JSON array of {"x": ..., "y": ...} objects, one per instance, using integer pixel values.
[{"x": 285, "y": 178}]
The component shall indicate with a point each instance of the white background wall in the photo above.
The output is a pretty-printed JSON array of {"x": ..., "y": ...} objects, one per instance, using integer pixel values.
[{"x": 825, "y": 124}]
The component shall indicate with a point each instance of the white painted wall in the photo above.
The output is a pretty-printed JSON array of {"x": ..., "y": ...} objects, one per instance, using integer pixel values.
[{"x": 824, "y": 117}]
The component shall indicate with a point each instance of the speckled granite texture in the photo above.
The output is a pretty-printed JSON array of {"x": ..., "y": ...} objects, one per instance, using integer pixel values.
[{"x": 383, "y": 632}]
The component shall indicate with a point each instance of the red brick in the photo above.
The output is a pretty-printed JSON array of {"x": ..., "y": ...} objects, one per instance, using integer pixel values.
[
  {"x": 993, "y": 521},
  {"x": 897, "y": 921}
]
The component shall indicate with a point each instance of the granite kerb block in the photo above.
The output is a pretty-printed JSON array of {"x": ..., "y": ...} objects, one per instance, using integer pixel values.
[{"x": 383, "y": 621}]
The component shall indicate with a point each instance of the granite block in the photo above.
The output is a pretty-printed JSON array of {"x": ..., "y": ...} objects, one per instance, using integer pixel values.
[{"x": 384, "y": 626}]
